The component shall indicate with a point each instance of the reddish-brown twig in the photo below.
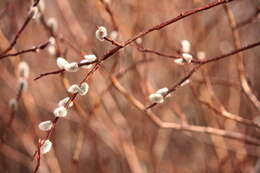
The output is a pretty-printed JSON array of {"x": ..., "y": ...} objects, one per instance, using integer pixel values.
[
  {"x": 34, "y": 49},
  {"x": 172, "y": 89},
  {"x": 62, "y": 70},
  {"x": 26, "y": 22}
]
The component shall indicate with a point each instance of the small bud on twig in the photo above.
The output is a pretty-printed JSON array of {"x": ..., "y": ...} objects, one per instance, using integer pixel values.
[
  {"x": 46, "y": 147},
  {"x": 73, "y": 89},
  {"x": 13, "y": 104},
  {"x": 71, "y": 67},
  {"x": 156, "y": 98},
  {"x": 83, "y": 89},
  {"x": 52, "y": 24},
  {"x": 162, "y": 91},
  {"x": 60, "y": 112},
  {"x": 45, "y": 125},
  {"x": 23, "y": 69},
  {"x": 101, "y": 33},
  {"x": 22, "y": 84},
  {"x": 187, "y": 57},
  {"x": 61, "y": 62},
  {"x": 88, "y": 58},
  {"x": 185, "y": 46},
  {"x": 63, "y": 102}
]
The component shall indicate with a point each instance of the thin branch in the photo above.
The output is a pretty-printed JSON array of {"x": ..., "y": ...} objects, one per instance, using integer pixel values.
[
  {"x": 172, "y": 89},
  {"x": 34, "y": 49},
  {"x": 183, "y": 127},
  {"x": 62, "y": 70}
]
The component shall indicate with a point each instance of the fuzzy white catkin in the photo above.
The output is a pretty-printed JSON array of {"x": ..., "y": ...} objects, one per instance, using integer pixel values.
[
  {"x": 187, "y": 57},
  {"x": 60, "y": 111},
  {"x": 52, "y": 49},
  {"x": 73, "y": 89},
  {"x": 61, "y": 62},
  {"x": 156, "y": 98},
  {"x": 23, "y": 69},
  {"x": 13, "y": 104},
  {"x": 179, "y": 61},
  {"x": 185, "y": 82},
  {"x": 63, "y": 102},
  {"x": 45, "y": 125},
  {"x": 162, "y": 91},
  {"x": 185, "y": 46},
  {"x": 41, "y": 5},
  {"x": 46, "y": 147},
  {"x": 85, "y": 66},
  {"x": 139, "y": 40},
  {"x": 34, "y": 12},
  {"x": 72, "y": 67},
  {"x": 52, "y": 24},
  {"x": 22, "y": 84},
  {"x": 101, "y": 33},
  {"x": 52, "y": 40},
  {"x": 88, "y": 58},
  {"x": 83, "y": 88},
  {"x": 201, "y": 55},
  {"x": 114, "y": 35}
]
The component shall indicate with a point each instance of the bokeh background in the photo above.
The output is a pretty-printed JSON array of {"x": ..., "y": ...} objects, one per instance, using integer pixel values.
[{"x": 105, "y": 132}]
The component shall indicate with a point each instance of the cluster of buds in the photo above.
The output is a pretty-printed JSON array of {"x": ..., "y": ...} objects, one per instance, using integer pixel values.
[
  {"x": 73, "y": 66},
  {"x": 61, "y": 111},
  {"x": 64, "y": 64},
  {"x": 158, "y": 96},
  {"x": 186, "y": 56}
]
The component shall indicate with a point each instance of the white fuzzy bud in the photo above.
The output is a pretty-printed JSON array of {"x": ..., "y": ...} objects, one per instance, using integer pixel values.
[
  {"x": 179, "y": 61},
  {"x": 185, "y": 82},
  {"x": 101, "y": 33},
  {"x": 185, "y": 46},
  {"x": 162, "y": 91},
  {"x": 85, "y": 66},
  {"x": 61, "y": 62},
  {"x": 201, "y": 55},
  {"x": 34, "y": 12},
  {"x": 114, "y": 35},
  {"x": 187, "y": 57},
  {"x": 13, "y": 104},
  {"x": 156, "y": 98},
  {"x": 72, "y": 67},
  {"x": 139, "y": 40},
  {"x": 63, "y": 102},
  {"x": 88, "y": 58},
  {"x": 52, "y": 49},
  {"x": 52, "y": 41},
  {"x": 22, "y": 84},
  {"x": 52, "y": 24},
  {"x": 41, "y": 5},
  {"x": 83, "y": 89},
  {"x": 23, "y": 69},
  {"x": 45, "y": 125},
  {"x": 46, "y": 147},
  {"x": 60, "y": 112},
  {"x": 73, "y": 89}
]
